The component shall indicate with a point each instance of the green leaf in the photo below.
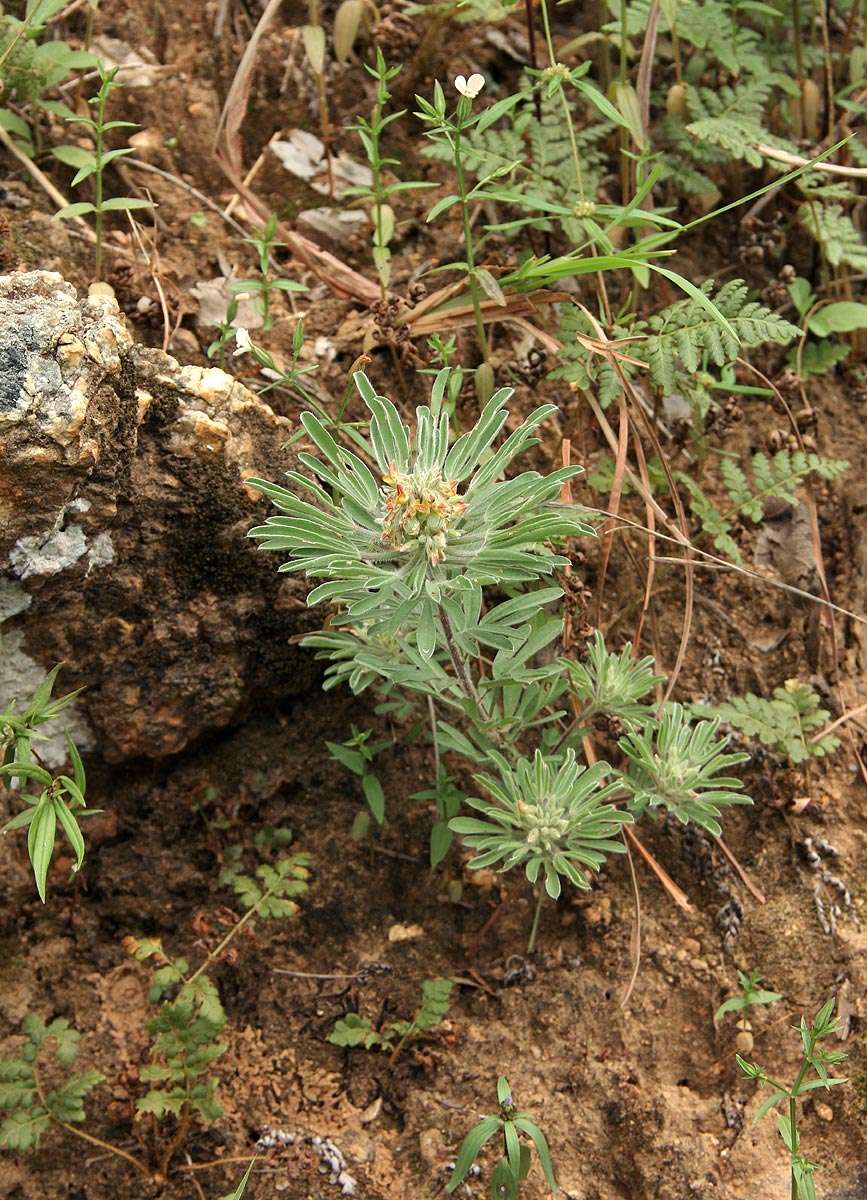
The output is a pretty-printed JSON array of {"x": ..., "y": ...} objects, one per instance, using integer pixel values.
[
  {"x": 72, "y": 831},
  {"x": 503, "y": 1185},
  {"x": 495, "y": 112},
  {"x": 40, "y": 842},
  {"x": 440, "y": 842},
  {"x": 441, "y": 206},
  {"x": 470, "y": 1148},
  {"x": 426, "y": 633},
  {"x": 242, "y": 1186},
  {"x": 74, "y": 156},
  {"x": 74, "y": 210},
  {"x": 350, "y": 759},
  {"x": 124, "y": 204},
  {"x": 535, "y": 1133},
  {"x": 841, "y": 317},
  {"x": 489, "y": 285},
  {"x": 374, "y": 795}
]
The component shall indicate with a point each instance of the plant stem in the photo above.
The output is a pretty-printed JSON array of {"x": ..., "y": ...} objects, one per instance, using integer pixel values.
[
  {"x": 236, "y": 929},
  {"x": 100, "y": 136},
  {"x": 799, "y": 63},
  {"x": 464, "y": 677},
  {"x": 531, "y": 41},
  {"x": 552, "y": 61},
  {"x": 535, "y": 926},
  {"x": 468, "y": 239},
  {"x": 88, "y": 1137}
]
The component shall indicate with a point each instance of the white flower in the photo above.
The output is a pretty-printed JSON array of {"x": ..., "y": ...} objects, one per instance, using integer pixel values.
[
  {"x": 243, "y": 345},
  {"x": 470, "y": 87}
]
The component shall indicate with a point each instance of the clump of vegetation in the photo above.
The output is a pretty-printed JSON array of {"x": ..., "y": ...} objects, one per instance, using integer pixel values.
[{"x": 407, "y": 560}]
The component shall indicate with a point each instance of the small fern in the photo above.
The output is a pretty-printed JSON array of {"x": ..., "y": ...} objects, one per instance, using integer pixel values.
[
  {"x": 731, "y": 118},
  {"x": 27, "y": 1105},
  {"x": 783, "y": 724},
  {"x": 839, "y": 240},
  {"x": 778, "y": 477},
  {"x": 355, "y": 1030},
  {"x": 684, "y": 333},
  {"x": 677, "y": 343}
]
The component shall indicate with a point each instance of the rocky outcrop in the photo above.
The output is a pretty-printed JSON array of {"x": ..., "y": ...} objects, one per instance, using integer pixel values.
[{"x": 123, "y": 513}]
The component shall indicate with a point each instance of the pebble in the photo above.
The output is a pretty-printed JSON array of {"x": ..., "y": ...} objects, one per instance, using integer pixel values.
[
  {"x": 824, "y": 1111},
  {"x": 692, "y": 947},
  {"x": 431, "y": 1146}
]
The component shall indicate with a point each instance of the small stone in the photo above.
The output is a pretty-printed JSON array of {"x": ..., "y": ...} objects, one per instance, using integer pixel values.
[
  {"x": 405, "y": 933},
  {"x": 692, "y": 947},
  {"x": 699, "y": 965},
  {"x": 824, "y": 1111},
  {"x": 431, "y": 1146},
  {"x": 358, "y": 1146},
  {"x": 744, "y": 1042}
]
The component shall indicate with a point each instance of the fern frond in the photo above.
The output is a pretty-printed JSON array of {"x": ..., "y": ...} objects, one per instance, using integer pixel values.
[
  {"x": 731, "y": 118},
  {"x": 685, "y": 331},
  {"x": 783, "y": 724},
  {"x": 840, "y": 242}
]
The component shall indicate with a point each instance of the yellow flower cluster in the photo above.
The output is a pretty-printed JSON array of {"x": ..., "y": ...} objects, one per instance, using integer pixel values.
[{"x": 419, "y": 509}]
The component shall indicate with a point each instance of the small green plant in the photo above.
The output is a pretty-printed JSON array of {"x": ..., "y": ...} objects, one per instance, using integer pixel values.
[
  {"x": 356, "y": 754},
  {"x": 93, "y": 163},
  {"x": 813, "y": 1073},
  {"x": 379, "y": 193},
  {"x": 451, "y": 129},
  {"x": 226, "y": 332},
  {"x": 750, "y": 996},
  {"x": 823, "y": 321},
  {"x": 287, "y": 376},
  {"x": 787, "y": 724},
  {"x": 612, "y": 685},
  {"x": 776, "y": 477},
  {"x": 676, "y": 765},
  {"x": 354, "y": 1030},
  {"x": 59, "y": 799},
  {"x": 263, "y": 287},
  {"x": 513, "y": 1168},
  {"x": 552, "y": 817}
]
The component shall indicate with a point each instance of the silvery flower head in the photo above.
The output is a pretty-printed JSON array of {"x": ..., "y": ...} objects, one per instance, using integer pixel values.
[{"x": 411, "y": 519}]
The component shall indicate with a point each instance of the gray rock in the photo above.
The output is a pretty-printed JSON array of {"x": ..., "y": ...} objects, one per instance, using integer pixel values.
[{"x": 123, "y": 513}]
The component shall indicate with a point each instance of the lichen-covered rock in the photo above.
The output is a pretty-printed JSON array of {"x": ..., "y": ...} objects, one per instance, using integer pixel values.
[{"x": 123, "y": 513}]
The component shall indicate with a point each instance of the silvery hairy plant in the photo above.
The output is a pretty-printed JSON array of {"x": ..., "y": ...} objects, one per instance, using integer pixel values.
[{"x": 438, "y": 568}]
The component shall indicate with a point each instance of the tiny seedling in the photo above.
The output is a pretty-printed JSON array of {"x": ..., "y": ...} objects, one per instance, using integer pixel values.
[
  {"x": 263, "y": 287},
  {"x": 512, "y": 1169},
  {"x": 356, "y": 754},
  {"x": 750, "y": 996},
  {"x": 59, "y": 800},
  {"x": 93, "y": 163},
  {"x": 815, "y": 1061},
  {"x": 354, "y": 1030}
]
